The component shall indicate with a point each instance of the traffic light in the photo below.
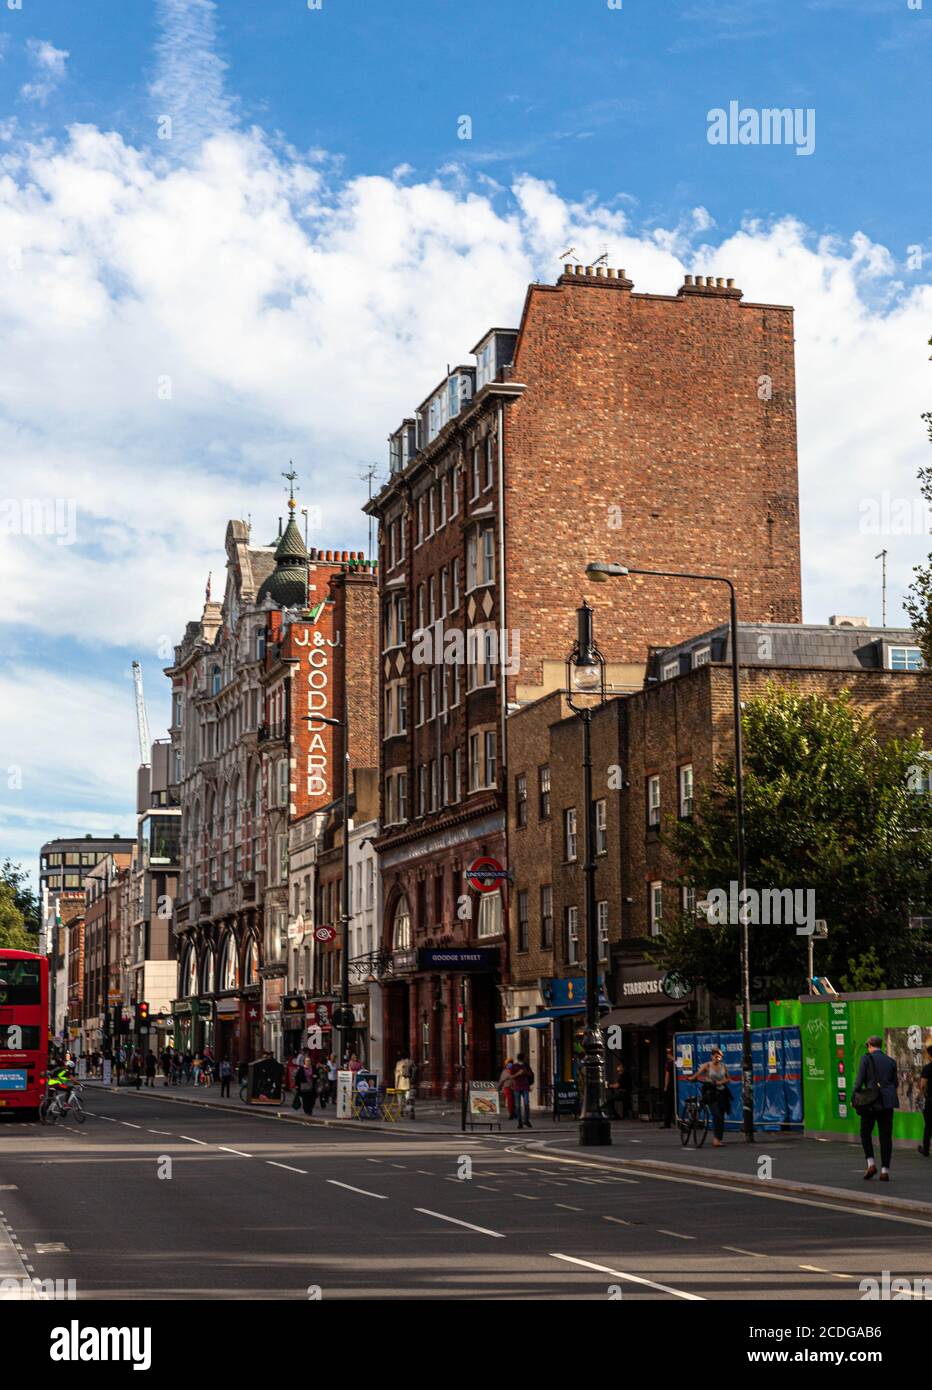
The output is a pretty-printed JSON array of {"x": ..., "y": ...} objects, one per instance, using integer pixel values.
[{"x": 142, "y": 1013}]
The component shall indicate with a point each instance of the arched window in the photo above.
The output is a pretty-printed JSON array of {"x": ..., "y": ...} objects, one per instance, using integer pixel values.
[
  {"x": 210, "y": 972},
  {"x": 229, "y": 964},
  {"x": 189, "y": 981},
  {"x": 252, "y": 962},
  {"x": 401, "y": 926},
  {"x": 216, "y": 680}
]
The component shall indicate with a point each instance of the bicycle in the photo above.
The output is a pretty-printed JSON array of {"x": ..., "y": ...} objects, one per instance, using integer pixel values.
[
  {"x": 695, "y": 1122},
  {"x": 59, "y": 1106}
]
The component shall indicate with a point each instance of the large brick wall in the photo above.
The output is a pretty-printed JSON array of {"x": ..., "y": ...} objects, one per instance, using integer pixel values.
[{"x": 649, "y": 410}]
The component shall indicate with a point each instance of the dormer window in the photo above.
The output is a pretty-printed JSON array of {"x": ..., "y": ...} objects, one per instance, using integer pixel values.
[{"x": 905, "y": 659}]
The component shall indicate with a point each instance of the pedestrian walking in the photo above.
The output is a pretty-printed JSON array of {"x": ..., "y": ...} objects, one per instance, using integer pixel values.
[
  {"x": 197, "y": 1066},
  {"x": 874, "y": 1098},
  {"x": 136, "y": 1069},
  {"x": 715, "y": 1081},
  {"x": 505, "y": 1088},
  {"x": 669, "y": 1089},
  {"x": 925, "y": 1095},
  {"x": 150, "y": 1068},
  {"x": 226, "y": 1076},
  {"x": 306, "y": 1086},
  {"x": 522, "y": 1079}
]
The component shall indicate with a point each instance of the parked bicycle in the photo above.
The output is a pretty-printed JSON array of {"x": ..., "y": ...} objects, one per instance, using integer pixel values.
[
  {"x": 60, "y": 1103},
  {"x": 695, "y": 1122}
]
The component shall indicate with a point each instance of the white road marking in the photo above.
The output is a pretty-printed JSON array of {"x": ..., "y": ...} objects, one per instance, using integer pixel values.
[
  {"x": 239, "y": 1153},
  {"x": 736, "y": 1250},
  {"x": 361, "y": 1190},
  {"x": 202, "y": 1143},
  {"x": 485, "y": 1188},
  {"x": 662, "y": 1232},
  {"x": 617, "y": 1220},
  {"x": 632, "y": 1278},
  {"x": 569, "y": 1208},
  {"x": 8, "y": 1187},
  {"x": 425, "y": 1211},
  {"x": 286, "y": 1166},
  {"x": 130, "y": 1126},
  {"x": 525, "y": 1197},
  {"x": 54, "y": 1247},
  {"x": 718, "y": 1186}
]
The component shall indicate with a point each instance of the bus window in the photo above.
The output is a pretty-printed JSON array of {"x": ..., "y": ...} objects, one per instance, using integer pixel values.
[
  {"x": 18, "y": 1037},
  {"x": 19, "y": 982}
]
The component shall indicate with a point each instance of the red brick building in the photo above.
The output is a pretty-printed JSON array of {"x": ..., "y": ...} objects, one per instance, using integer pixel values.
[
  {"x": 656, "y": 429},
  {"x": 652, "y": 752}
]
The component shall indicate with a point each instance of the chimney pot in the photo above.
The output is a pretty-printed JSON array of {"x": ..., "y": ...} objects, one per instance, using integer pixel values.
[
  {"x": 688, "y": 279},
  {"x": 588, "y": 269},
  {"x": 720, "y": 282},
  {"x": 579, "y": 270},
  {"x": 730, "y": 283}
]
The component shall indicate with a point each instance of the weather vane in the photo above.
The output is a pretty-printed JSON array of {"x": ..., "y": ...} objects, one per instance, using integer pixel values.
[{"x": 290, "y": 476}]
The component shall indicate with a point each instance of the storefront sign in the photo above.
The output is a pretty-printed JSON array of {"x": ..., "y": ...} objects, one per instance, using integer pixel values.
[
  {"x": 565, "y": 1098},
  {"x": 403, "y": 961},
  {"x": 458, "y": 958},
  {"x": 484, "y": 1101}
]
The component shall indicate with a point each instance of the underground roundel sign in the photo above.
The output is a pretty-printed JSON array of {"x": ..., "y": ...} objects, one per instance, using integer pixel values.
[
  {"x": 324, "y": 933},
  {"x": 484, "y": 875}
]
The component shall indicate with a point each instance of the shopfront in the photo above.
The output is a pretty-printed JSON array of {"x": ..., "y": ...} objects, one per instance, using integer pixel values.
[
  {"x": 294, "y": 1033},
  {"x": 652, "y": 1005}
]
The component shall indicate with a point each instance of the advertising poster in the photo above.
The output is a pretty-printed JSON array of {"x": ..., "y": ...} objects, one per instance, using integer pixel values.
[{"x": 907, "y": 1047}]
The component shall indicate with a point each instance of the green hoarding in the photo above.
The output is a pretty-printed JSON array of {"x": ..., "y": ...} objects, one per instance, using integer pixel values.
[{"x": 834, "y": 1033}]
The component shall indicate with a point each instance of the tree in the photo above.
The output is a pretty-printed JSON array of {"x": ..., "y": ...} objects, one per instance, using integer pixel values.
[
  {"x": 831, "y": 809},
  {"x": 16, "y": 879},
  {"x": 918, "y": 601},
  {"x": 13, "y": 934}
]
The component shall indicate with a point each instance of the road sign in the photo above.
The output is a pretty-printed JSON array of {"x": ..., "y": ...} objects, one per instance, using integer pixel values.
[
  {"x": 324, "y": 933},
  {"x": 485, "y": 874}
]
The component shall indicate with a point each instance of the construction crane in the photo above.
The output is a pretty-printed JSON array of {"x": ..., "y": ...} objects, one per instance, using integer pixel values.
[{"x": 142, "y": 723}]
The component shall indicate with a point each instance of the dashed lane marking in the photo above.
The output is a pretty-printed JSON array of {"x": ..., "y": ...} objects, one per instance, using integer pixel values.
[
  {"x": 361, "y": 1190},
  {"x": 631, "y": 1278},
  {"x": 454, "y": 1221},
  {"x": 287, "y": 1166}
]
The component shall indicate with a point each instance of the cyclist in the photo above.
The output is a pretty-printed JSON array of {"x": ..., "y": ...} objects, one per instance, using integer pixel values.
[
  {"x": 714, "y": 1078},
  {"x": 61, "y": 1078}
]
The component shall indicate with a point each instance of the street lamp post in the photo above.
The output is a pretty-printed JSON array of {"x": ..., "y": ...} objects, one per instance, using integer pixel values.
[
  {"x": 600, "y": 572},
  {"x": 585, "y": 674},
  {"x": 343, "y": 1016}
]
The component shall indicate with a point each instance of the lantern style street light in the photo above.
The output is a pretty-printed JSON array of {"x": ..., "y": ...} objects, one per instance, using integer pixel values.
[
  {"x": 585, "y": 676},
  {"x": 601, "y": 572}
]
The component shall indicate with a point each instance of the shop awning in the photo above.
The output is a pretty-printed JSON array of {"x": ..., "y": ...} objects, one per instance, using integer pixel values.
[
  {"x": 542, "y": 1019},
  {"x": 644, "y": 1017}
]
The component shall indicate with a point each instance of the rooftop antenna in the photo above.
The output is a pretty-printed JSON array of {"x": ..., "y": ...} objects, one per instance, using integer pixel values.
[
  {"x": 565, "y": 255},
  {"x": 142, "y": 723},
  {"x": 603, "y": 259},
  {"x": 882, "y": 556},
  {"x": 367, "y": 477}
]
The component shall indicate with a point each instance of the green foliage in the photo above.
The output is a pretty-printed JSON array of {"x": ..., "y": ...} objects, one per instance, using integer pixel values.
[
  {"x": 918, "y": 601},
  {"x": 13, "y": 934},
  {"x": 828, "y": 807},
  {"x": 865, "y": 974},
  {"x": 14, "y": 876}
]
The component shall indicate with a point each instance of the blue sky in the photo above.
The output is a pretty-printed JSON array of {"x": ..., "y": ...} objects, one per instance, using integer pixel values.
[{"x": 315, "y": 222}]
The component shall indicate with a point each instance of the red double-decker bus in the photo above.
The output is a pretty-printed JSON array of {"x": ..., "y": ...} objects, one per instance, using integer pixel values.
[{"x": 24, "y": 1029}]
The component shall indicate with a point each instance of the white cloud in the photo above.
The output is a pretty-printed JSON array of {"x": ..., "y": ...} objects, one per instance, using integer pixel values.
[{"x": 49, "y": 65}]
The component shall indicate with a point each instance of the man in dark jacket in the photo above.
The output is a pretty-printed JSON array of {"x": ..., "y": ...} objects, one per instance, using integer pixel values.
[{"x": 877, "y": 1069}]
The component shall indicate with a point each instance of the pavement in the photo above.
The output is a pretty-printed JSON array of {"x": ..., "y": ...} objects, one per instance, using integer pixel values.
[
  {"x": 158, "y": 1198},
  {"x": 789, "y": 1162}
]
